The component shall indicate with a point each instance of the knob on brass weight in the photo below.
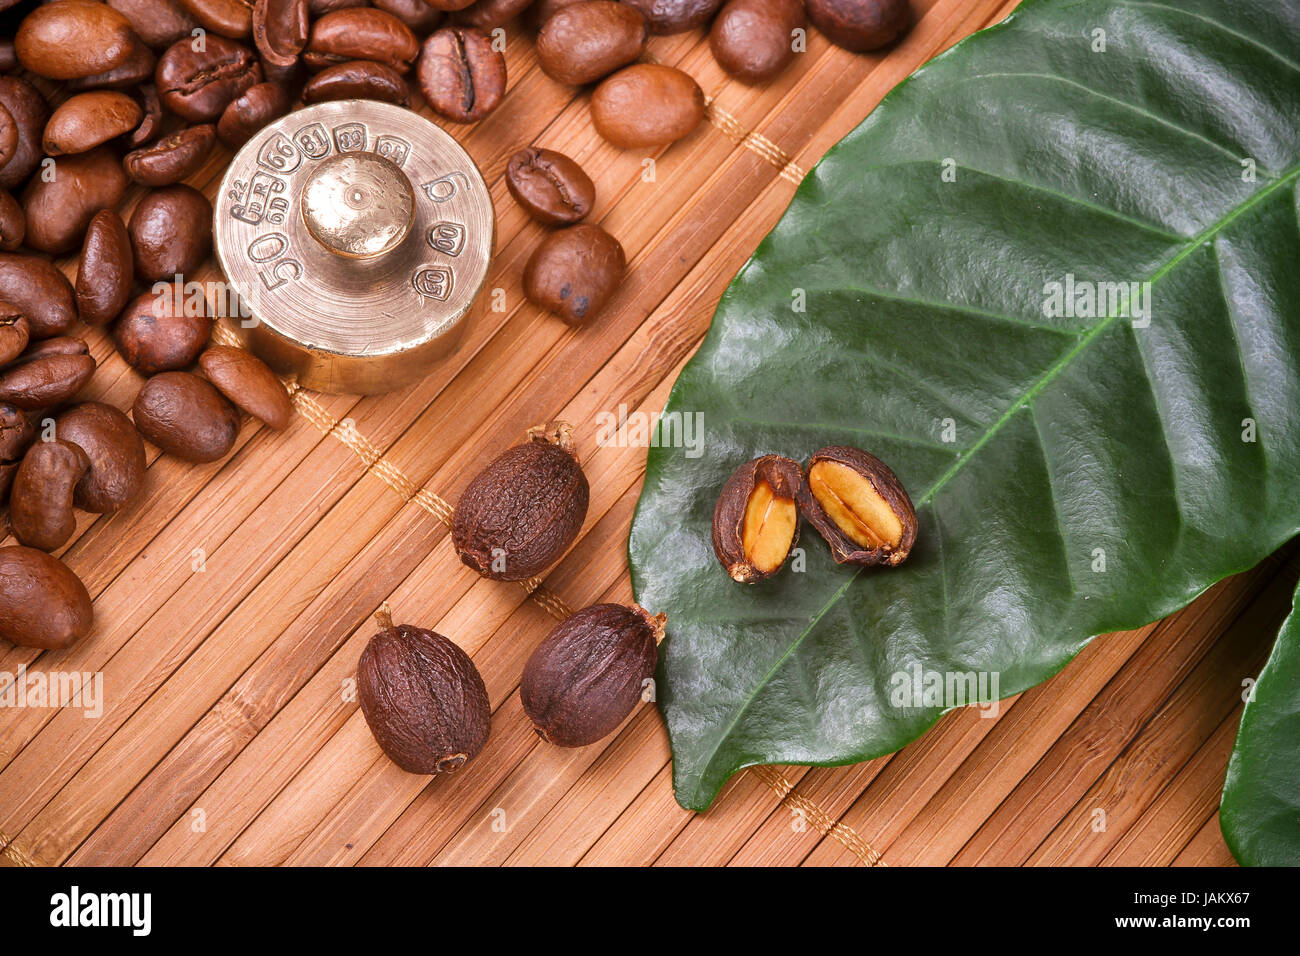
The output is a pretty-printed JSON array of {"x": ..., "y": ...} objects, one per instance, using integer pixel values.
[{"x": 357, "y": 236}]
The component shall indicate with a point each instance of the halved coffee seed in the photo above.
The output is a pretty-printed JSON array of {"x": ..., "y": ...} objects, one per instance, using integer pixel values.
[
  {"x": 756, "y": 521},
  {"x": 859, "y": 506}
]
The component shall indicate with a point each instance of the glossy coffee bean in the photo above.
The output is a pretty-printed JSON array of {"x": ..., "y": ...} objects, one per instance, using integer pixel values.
[
  {"x": 676, "y": 16},
  {"x": 171, "y": 232},
  {"x": 29, "y": 111},
  {"x": 542, "y": 10},
  {"x": 72, "y": 38},
  {"x": 280, "y": 30},
  {"x": 150, "y": 125},
  {"x": 358, "y": 79},
  {"x": 250, "y": 111},
  {"x": 105, "y": 269},
  {"x": 186, "y": 417},
  {"x": 172, "y": 158},
  {"x": 8, "y": 135},
  {"x": 115, "y": 451},
  {"x": 137, "y": 68},
  {"x": 155, "y": 334},
  {"x": 17, "y": 432},
  {"x": 14, "y": 333},
  {"x": 587, "y": 41},
  {"x": 487, "y": 15},
  {"x": 318, "y": 8},
  {"x": 753, "y": 39},
  {"x": 42, "y": 603},
  {"x": 58, "y": 210},
  {"x": 86, "y": 120},
  {"x": 40, "y": 499},
  {"x": 574, "y": 272},
  {"x": 8, "y": 56},
  {"x": 248, "y": 382},
  {"x": 447, "y": 6},
  {"x": 229, "y": 18},
  {"x": 13, "y": 224},
  {"x": 159, "y": 23},
  {"x": 43, "y": 379},
  {"x": 40, "y": 291},
  {"x": 550, "y": 186},
  {"x": 860, "y": 25},
  {"x": 647, "y": 105},
  {"x": 461, "y": 76},
  {"x": 198, "y": 86},
  {"x": 361, "y": 33},
  {"x": 416, "y": 14}
]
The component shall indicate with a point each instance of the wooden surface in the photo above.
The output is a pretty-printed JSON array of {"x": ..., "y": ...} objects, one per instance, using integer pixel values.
[{"x": 232, "y": 602}]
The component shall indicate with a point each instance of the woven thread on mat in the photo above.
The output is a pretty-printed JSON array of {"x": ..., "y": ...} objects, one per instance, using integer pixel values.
[{"x": 819, "y": 818}]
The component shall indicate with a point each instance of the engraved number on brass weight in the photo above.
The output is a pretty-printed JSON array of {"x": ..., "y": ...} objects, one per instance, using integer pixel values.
[
  {"x": 393, "y": 148},
  {"x": 445, "y": 187},
  {"x": 350, "y": 137},
  {"x": 447, "y": 237},
  {"x": 313, "y": 140},
  {"x": 270, "y": 248},
  {"x": 258, "y": 199},
  {"x": 279, "y": 155},
  {"x": 434, "y": 282}
]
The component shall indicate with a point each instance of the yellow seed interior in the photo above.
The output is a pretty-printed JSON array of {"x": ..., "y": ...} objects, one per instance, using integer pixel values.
[
  {"x": 769, "y": 528},
  {"x": 853, "y": 503}
]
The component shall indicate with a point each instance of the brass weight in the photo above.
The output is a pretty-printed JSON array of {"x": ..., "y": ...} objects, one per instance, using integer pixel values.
[{"x": 356, "y": 236}]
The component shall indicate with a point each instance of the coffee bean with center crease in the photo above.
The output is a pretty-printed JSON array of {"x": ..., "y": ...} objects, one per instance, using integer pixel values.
[
  {"x": 574, "y": 272},
  {"x": 362, "y": 33},
  {"x": 8, "y": 135},
  {"x": 72, "y": 38},
  {"x": 186, "y": 417},
  {"x": 198, "y": 86},
  {"x": 157, "y": 333},
  {"x": 29, "y": 110},
  {"x": 137, "y": 68},
  {"x": 46, "y": 378},
  {"x": 550, "y": 186},
  {"x": 59, "y": 210},
  {"x": 13, "y": 223},
  {"x": 250, "y": 111},
  {"x": 752, "y": 39},
  {"x": 647, "y": 105},
  {"x": 487, "y": 15},
  {"x": 105, "y": 269},
  {"x": 17, "y": 432},
  {"x": 171, "y": 232},
  {"x": 587, "y": 41},
  {"x": 280, "y": 30},
  {"x": 860, "y": 25},
  {"x": 358, "y": 80},
  {"x": 461, "y": 75},
  {"x": 159, "y": 23},
  {"x": 248, "y": 382},
  {"x": 115, "y": 452},
  {"x": 676, "y": 16},
  {"x": 40, "y": 291},
  {"x": 86, "y": 120},
  {"x": 42, "y": 603},
  {"x": 14, "y": 333},
  {"x": 229, "y": 18},
  {"x": 416, "y": 14},
  {"x": 173, "y": 157},
  {"x": 40, "y": 500}
]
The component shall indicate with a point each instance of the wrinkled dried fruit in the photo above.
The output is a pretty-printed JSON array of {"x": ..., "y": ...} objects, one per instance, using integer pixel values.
[
  {"x": 859, "y": 506},
  {"x": 756, "y": 521},
  {"x": 521, "y": 513},
  {"x": 423, "y": 698},
  {"x": 588, "y": 674}
]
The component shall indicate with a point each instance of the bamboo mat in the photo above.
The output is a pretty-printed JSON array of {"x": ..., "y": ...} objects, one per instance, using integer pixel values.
[{"x": 233, "y": 601}]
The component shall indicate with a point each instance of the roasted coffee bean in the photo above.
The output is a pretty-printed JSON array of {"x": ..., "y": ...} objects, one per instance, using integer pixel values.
[
  {"x": 14, "y": 333},
  {"x": 159, "y": 23},
  {"x": 250, "y": 111},
  {"x": 447, "y": 6},
  {"x": 229, "y": 18},
  {"x": 487, "y": 15},
  {"x": 59, "y": 210},
  {"x": 8, "y": 469},
  {"x": 676, "y": 16},
  {"x": 58, "y": 345},
  {"x": 8, "y": 56},
  {"x": 173, "y": 157},
  {"x": 550, "y": 186},
  {"x": 756, "y": 520},
  {"x": 574, "y": 272},
  {"x": 186, "y": 417},
  {"x": 460, "y": 74},
  {"x": 86, "y": 120},
  {"x": 158, "y": 333},
  {"x": 647, "y": 105},
  {"x": 590, "y": 672},
  {"x": 358, "y": 79},
  {"x": 115, "y": 451},
  {"x": 248, "y": 382},
  {"x": 40, "y": 501},
  {"x": 73, "y": 38},
  {"x": 318, "y": 8},
  {"x": 42, "y": 603},
  {"x": 150, "y": 124},
  {"x": 753, "y": 40},
  {"x": 137, "y": 68},
  {"x": 17, "y": 432},
  {"x": 30, "y": 112},
  {"x": 416, "y": 14},
  {"x": 361, "y": 33},
  {"x": 422, "y": 697},
  {"x": 280, "y": 30},
  {"x": 198, "y": 86},
  {"x": 40, "y": 291},
  {"x": 543, "y": 10},
  {"x": 290, "y": 77},
  {"x": 8, "y": 135},
  {"x": 105, "y": 269},
  {"x": 859, "y": 506},
  {"x": 39, "y": 381},
  {"x": 13, "y": 224},
  {"x": 523, "y": 511},
  {"x": 587, "y": 41},
  {"x": 171, "y": 232},
  {"x": 860, "y": 25}
]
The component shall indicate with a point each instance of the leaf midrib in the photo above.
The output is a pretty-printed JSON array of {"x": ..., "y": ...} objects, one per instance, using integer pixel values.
[{"x": 1191, "y": 246}]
